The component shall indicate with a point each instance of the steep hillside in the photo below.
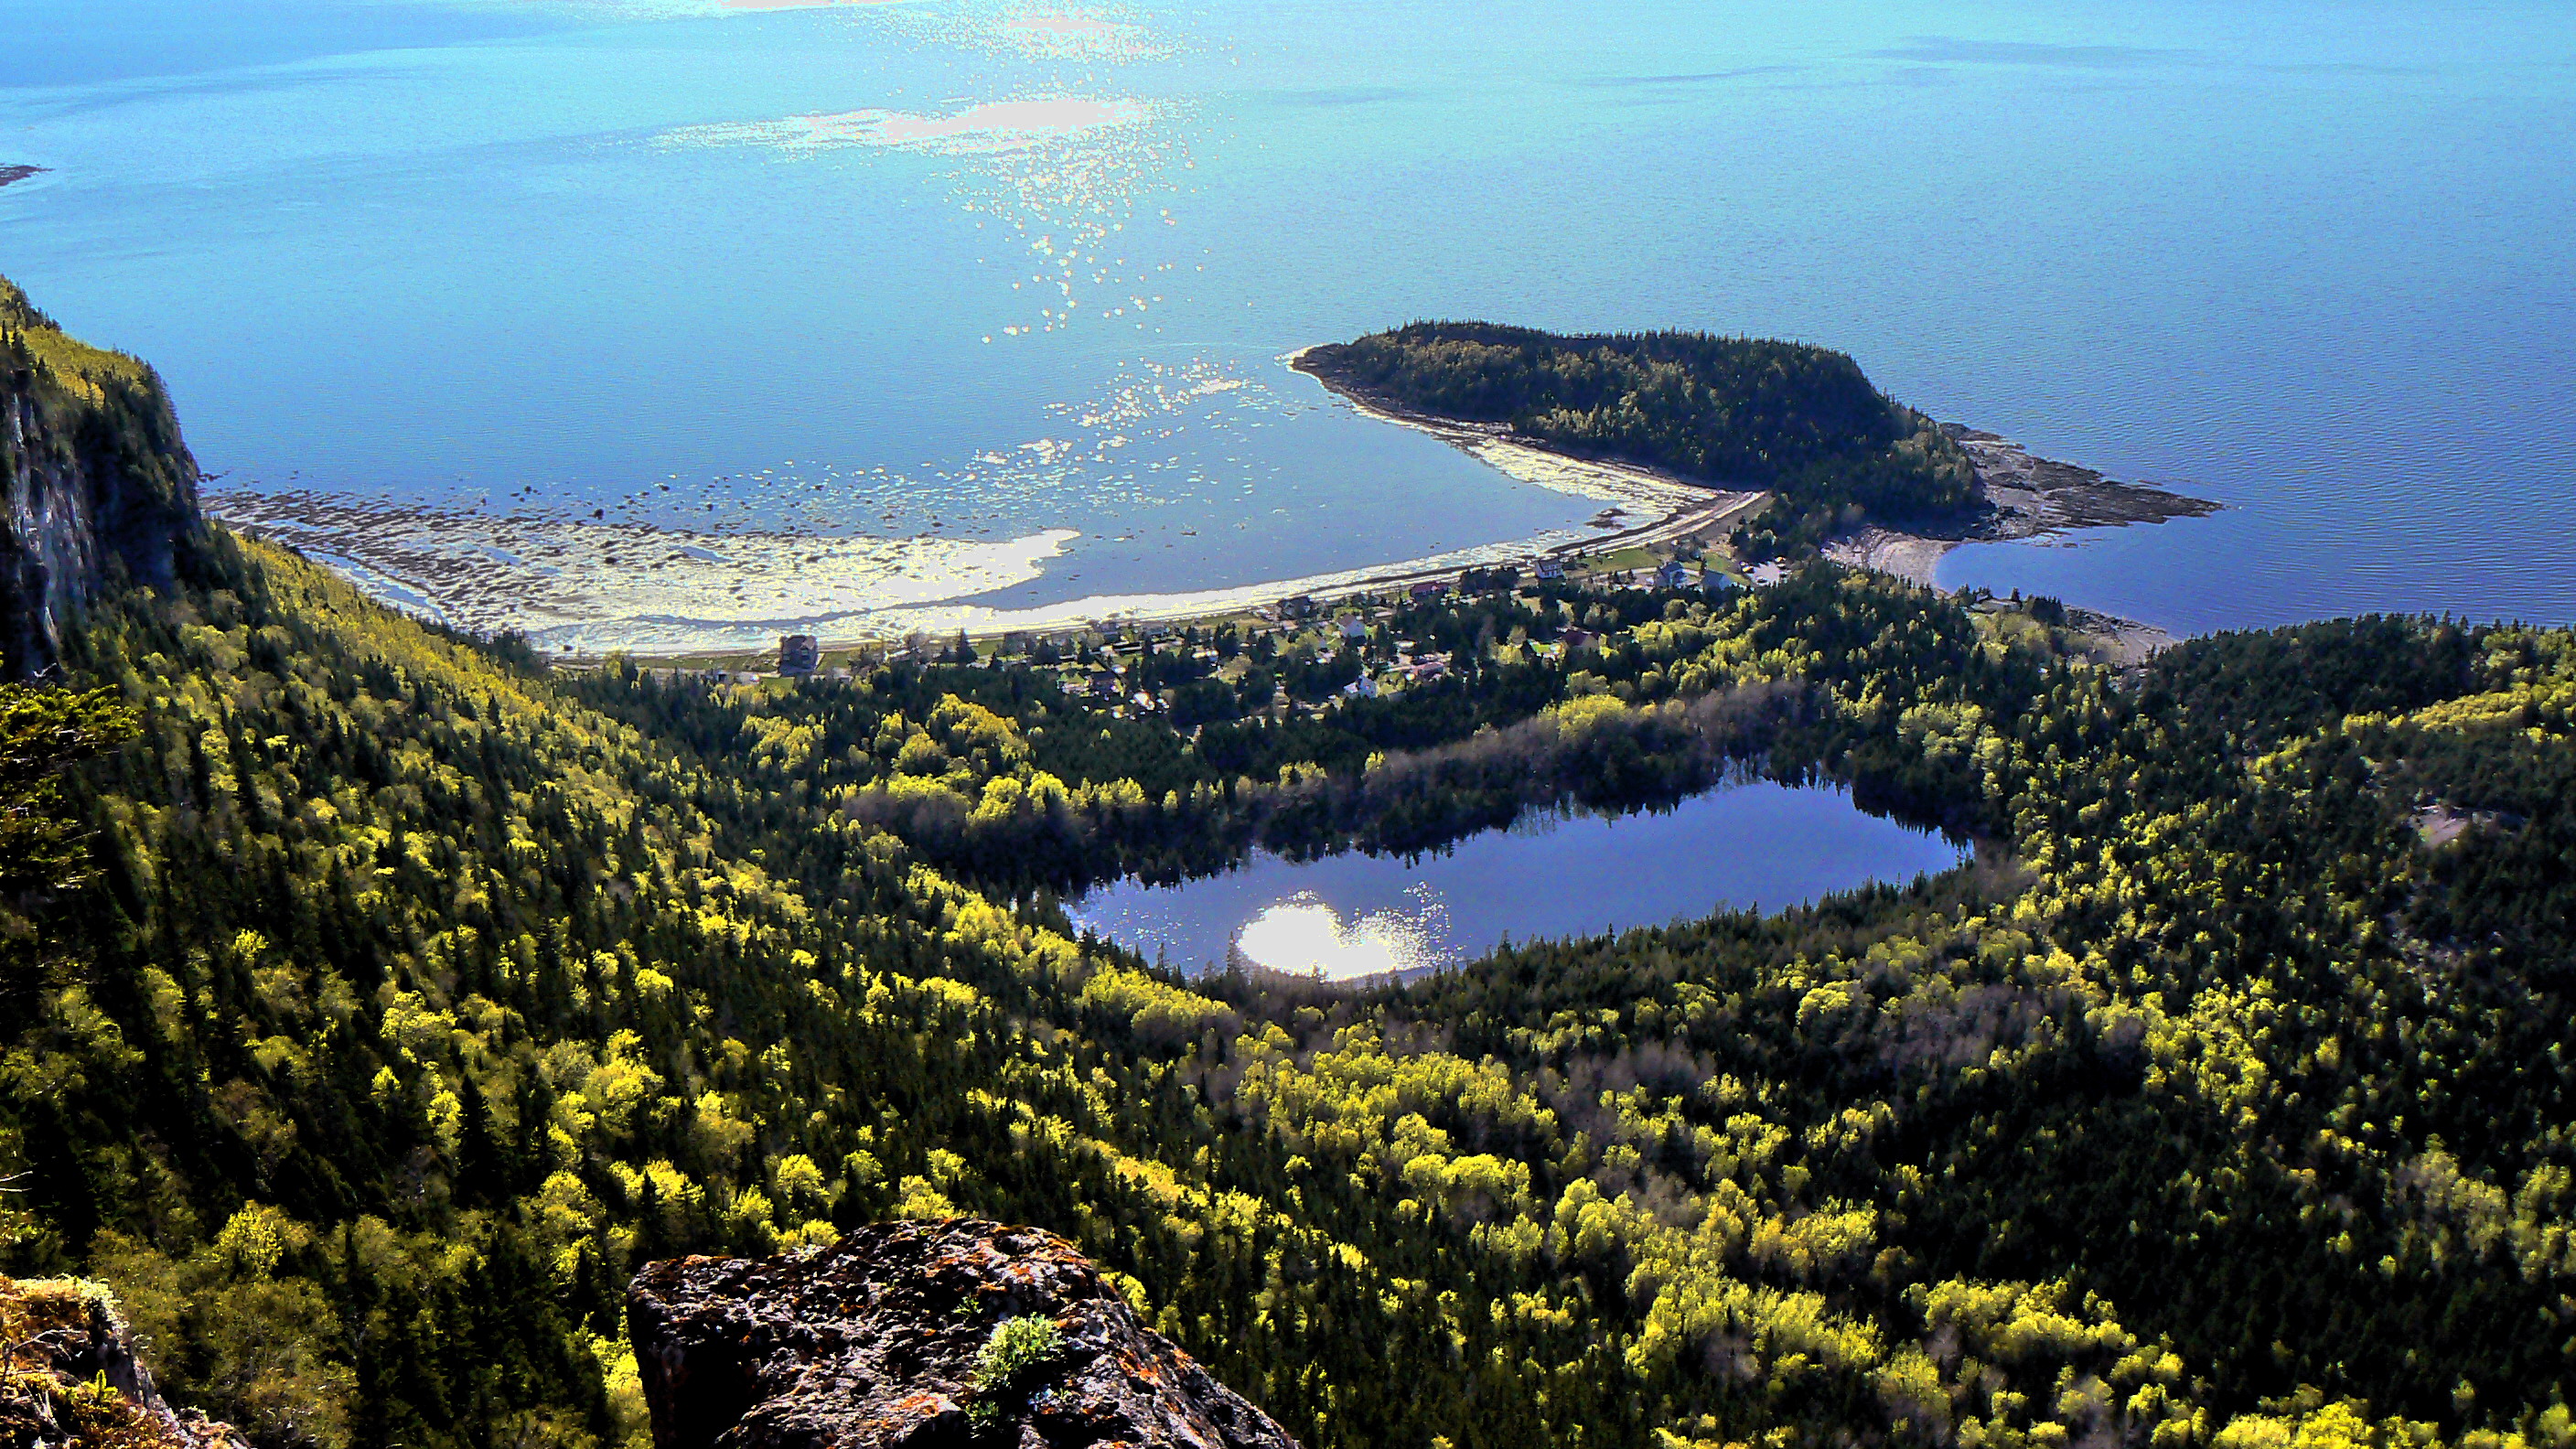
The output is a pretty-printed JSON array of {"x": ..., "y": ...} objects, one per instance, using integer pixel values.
[{"x": 95, "y": 484}]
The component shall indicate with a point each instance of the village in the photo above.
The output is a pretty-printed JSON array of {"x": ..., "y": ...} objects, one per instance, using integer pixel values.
[{"x": 1301, "y": 654}]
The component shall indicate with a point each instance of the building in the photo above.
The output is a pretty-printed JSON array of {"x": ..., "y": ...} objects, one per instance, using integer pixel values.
[
  {"x": 1297, "y": 606},
  {"x": 1549, "y": 570},
  {"x": 1673, "y": 575},
  {"x": 1360, "y": 688},
  {"x": 799, "y": 655},
  {"x": 1428, "y": 590}
]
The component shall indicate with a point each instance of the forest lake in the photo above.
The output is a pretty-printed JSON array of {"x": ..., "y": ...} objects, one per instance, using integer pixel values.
[{"x": 1353, "y": 916}]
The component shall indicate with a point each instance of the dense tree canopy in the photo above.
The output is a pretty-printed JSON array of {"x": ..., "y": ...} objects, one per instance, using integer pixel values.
[{"x": 418, "y": 997}]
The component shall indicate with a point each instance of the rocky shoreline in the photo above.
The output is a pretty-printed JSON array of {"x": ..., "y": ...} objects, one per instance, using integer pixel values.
[{"x": 2025, "y": 496}]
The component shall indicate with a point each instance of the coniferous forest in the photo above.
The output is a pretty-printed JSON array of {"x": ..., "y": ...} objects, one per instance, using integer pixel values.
[{"x": 376, "y": 1000}]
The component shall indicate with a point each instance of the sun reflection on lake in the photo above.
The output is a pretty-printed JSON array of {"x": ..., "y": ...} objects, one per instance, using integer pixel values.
[
  {"x": 1306, "y": 936},
  {"x": 1750, "y": 843}
]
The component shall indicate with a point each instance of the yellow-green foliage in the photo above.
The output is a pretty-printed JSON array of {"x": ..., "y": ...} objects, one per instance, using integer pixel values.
[
  {"x": 69, "y": 363},
  {"x": 436, "y": 999}
]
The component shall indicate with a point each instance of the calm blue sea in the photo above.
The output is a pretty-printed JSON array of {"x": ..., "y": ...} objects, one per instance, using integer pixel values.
[{"x": 978, "y": 269}]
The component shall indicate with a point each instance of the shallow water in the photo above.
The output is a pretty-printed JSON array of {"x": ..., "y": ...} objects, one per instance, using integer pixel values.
[
  {"x": 734, "y": 271},
  {"x": 1348, "y": 916}
]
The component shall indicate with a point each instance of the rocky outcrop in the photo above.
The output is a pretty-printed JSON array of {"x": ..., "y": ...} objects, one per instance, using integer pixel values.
[
  {"x": 71, "y": 1376},
  {"x": 96, "y": 485},
  {"x": 919, "y": 1334}
]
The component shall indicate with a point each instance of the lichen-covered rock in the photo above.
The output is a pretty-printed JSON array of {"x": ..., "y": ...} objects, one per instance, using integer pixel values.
[
  {"x": 69, "y": 1376},
  {"x": 876, "y": 1342}
]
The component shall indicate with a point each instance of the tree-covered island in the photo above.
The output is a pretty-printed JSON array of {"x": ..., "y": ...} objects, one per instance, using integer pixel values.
[{"x": 1736, "y": 412}]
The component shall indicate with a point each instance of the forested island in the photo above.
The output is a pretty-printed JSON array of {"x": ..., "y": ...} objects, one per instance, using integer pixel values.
[
  {"x": 379, "y": 1000},
  {"x": 1802, "y": 422}
]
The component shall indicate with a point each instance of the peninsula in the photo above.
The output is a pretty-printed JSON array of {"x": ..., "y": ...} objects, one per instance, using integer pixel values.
[{"x": 1849, "y": 470}]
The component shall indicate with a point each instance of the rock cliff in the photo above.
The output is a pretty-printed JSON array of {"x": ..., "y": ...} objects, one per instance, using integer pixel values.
[
  {"x": 919, "y": 1334},
  {"x": 69, "y": 1376},
  {"x": 95, "y": 482}
]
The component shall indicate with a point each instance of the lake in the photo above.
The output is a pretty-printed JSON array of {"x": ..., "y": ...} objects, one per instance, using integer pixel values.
[
  {"x": 1550, "y": 876},
  {"x": 682, "y": 323}
]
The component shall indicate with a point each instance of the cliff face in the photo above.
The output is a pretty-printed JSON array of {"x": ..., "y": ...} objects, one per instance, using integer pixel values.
[
  {"x": 919, "y": 1334},
  {"x": 95, "y": 482}
]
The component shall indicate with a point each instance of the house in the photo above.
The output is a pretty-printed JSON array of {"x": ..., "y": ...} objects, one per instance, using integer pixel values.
[
  {"x": 1354, "y": 627},
  {"x": 1103, "y": 684},
  {"x": 1549, "y": 570},
  {"x": 1360, "y": 688},
  {"x": 1428, "y": 590},
  {"x": 1428, "y": 666},
  {"x": 1577, "y": 638},
  {"x": 799, "y": 655},
  {"x": 1297, "y": 606}
]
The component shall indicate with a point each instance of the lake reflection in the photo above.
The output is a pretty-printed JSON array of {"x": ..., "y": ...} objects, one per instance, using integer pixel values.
[{"x": 1351, "y": 916}]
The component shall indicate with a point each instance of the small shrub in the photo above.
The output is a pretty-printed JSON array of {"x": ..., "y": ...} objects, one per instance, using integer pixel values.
[{"x": 1017, "y": 1347}]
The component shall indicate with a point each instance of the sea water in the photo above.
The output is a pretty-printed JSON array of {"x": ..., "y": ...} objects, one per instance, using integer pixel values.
[
  {"x": 991, "y": 296},
  {"x": 1549, "y": 877}
]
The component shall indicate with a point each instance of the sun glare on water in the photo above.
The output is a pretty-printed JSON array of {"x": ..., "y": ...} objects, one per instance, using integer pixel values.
[{"x": 1306, "y": 936}]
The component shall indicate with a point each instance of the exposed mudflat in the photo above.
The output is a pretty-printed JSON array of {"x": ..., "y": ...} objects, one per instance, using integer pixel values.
[
  {"x": 18, "y": 172},
  {"x": 591, "y": 586}
]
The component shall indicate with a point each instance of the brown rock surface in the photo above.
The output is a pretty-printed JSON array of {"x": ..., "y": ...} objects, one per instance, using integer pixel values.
[
  {"x": 69, "y": 1376},
  {"x": 873, "y": 1342}
]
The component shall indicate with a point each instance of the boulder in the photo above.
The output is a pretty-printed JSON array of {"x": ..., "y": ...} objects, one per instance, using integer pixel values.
[{"x": 888, "y": 1338}]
